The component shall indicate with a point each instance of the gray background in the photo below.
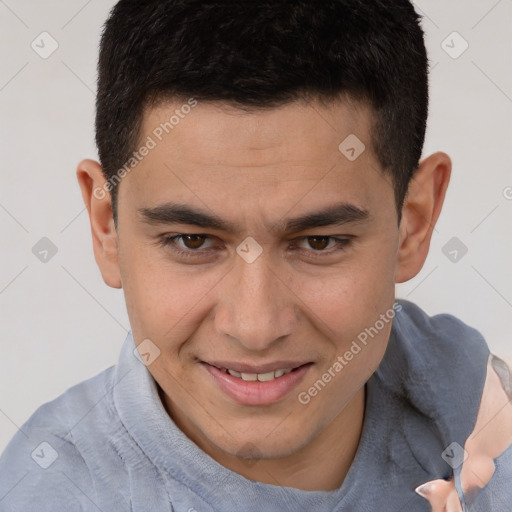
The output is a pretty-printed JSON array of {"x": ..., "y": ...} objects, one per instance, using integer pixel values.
[{"x": 61, "y": 324}]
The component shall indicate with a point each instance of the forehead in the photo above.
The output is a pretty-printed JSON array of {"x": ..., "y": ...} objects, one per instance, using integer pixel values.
[
  {"x": 219, "y": 133},
  {"x": 254, "y": 162}
]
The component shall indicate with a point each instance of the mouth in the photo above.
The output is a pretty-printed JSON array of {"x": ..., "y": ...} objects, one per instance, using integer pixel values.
[{"x": 257, "y": 385}]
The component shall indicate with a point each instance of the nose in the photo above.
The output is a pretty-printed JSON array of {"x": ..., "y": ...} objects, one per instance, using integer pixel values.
[{"x": 255, "y": 307}]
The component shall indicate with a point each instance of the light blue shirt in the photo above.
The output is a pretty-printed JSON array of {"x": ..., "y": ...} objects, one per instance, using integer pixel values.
[{"x": 107, "y": 444}]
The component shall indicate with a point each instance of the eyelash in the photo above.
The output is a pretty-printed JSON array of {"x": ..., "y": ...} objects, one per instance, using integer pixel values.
[{"x": 168, "y": 241}]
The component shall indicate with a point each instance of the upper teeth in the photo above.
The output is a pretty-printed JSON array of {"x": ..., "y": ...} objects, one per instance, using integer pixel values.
[{"x": 262, "y": 377}]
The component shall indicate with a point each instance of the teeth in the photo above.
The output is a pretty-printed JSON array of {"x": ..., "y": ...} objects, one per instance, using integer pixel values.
[{"x": 262, "y": 377}]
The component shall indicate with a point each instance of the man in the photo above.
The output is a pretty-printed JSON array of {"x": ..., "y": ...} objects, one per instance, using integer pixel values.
[{"x": 258, "y": 195}]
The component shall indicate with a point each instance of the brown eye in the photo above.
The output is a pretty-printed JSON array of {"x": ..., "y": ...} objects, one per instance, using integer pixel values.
[
  {"x": 318, "y": 243},
  {"x": 193, "y": 241},
  {"x": 189, "y": 246},
  {"x": 318, "y": 246}
]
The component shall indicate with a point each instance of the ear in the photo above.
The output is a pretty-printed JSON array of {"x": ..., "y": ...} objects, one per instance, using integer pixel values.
[
  {"x": 96, "y": 194},
  {"x": 422, "y": 206}
]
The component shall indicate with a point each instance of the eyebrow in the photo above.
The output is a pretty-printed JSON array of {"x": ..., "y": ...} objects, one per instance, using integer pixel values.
[{"x": 177, "y": 213}]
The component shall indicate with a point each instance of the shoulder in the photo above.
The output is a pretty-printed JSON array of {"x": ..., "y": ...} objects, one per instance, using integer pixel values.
[
  {"x": 448, "y": 356},
  {"x": 43, "y": 460},
  {"x": 433, "y": 372},
  {"x": 435, "y": 359},
  {"x": 443, "y": 331}
]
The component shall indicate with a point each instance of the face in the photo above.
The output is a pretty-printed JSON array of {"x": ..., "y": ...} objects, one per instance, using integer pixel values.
[{"x": 300, "y": 260}]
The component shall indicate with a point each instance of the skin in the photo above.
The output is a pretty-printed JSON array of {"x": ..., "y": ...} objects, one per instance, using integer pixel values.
[{"x": 255, "y": 169}]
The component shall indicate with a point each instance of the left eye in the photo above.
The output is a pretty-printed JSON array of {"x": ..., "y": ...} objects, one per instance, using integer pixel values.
[{"x": 320, "y": 243}]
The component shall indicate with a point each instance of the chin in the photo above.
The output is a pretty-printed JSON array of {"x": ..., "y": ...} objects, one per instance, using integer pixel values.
[{"x": 258, "y": 445}]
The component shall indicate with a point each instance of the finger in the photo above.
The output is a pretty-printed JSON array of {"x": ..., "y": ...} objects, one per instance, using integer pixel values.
[
  {"x": 436, "y": 492},
  {"x": 453, "y": 503}
]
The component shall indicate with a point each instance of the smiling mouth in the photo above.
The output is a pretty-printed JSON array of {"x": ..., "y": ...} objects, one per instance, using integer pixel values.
[
  {"x": 257, "y": 385},
  {"x": 260, "y": 377}
]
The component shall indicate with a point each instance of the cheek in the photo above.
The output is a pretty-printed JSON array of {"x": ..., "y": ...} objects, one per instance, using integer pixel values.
[
  {"x": 164, "y": 301},
  {"x": 168, "y": 303},
  {"x": 353, "y": 296}
]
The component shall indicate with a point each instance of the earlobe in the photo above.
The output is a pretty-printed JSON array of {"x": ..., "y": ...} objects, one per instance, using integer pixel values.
[
  {"x": 422, "y": 207},
  {"x": 96, "y": 196}
]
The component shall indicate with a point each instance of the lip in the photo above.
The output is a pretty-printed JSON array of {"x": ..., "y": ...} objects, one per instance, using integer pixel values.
[{"x": 257, "y": 393}]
